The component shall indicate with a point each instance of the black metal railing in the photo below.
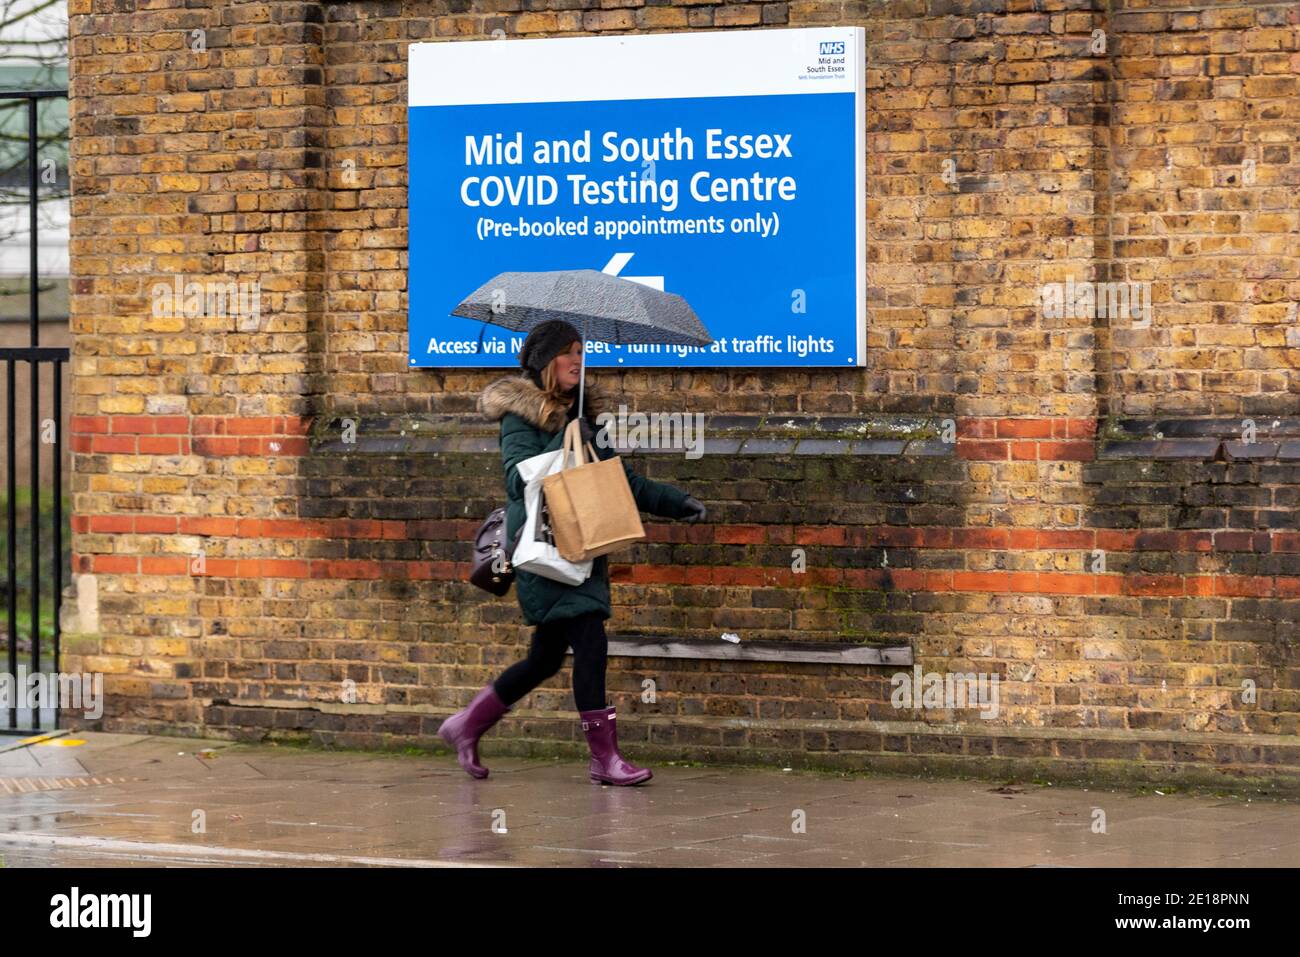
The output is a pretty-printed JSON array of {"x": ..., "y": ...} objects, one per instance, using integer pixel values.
[{"x": 42, "y": 715}]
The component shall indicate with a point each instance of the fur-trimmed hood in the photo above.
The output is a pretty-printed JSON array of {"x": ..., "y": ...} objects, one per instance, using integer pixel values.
[{"x": 518, "y": 394}]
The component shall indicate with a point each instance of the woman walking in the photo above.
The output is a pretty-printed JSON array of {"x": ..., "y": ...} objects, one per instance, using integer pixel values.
[{"x": 534, "y": 408}]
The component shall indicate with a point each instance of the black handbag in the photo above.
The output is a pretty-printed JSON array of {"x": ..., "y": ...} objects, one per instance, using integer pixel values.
[{"x": 491, "y": 569}]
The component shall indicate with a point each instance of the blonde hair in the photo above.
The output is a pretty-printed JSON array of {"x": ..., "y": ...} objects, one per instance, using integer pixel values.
[{"x": 553, "y": 399}]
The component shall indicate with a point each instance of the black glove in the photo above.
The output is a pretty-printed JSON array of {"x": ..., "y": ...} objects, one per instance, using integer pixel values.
[
  {"x": 696, "y": 510},
  {"x": 588, "y": 433}
]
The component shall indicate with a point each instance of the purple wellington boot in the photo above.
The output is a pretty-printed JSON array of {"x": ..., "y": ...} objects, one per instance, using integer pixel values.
[
  {"x": 607, "y": 765},
  {"x": 463, "y": 729}
]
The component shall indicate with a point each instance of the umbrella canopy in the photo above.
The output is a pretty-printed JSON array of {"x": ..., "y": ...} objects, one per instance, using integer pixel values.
[{"x": 603, "y": 307}]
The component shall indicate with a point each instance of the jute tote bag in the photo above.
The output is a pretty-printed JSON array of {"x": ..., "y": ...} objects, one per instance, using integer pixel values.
[{"x": 592, "y": 509}]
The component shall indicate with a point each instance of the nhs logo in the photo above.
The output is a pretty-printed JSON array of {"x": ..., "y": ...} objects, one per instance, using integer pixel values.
[{"x": 829, "y": 47}]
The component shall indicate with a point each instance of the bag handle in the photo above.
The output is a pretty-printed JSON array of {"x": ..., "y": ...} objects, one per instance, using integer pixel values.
[{"x": 573, "y": 444}]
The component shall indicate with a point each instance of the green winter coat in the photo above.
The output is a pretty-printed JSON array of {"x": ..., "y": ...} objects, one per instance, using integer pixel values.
[{"x": 516, "y": 402}]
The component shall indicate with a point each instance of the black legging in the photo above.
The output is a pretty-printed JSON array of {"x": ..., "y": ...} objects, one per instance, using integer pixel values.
[{"x": 586, "y": 634}]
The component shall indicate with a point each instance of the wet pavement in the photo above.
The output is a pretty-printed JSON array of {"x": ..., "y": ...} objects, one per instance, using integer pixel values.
[{"x": 116, "y": 800}]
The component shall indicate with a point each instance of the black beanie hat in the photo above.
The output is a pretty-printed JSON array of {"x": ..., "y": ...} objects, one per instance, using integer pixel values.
[{"x": 546, "y": 341}]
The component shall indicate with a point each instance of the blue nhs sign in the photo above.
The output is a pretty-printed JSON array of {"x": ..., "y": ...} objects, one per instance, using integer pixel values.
[{"x": 726, "y": 167}]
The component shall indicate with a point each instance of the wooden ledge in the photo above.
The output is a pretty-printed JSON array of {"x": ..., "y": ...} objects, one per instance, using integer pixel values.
[{"x": 822, "y": 653}]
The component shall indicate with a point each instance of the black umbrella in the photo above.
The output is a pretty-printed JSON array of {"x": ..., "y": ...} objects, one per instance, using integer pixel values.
[{"x": 604, "y": 307}]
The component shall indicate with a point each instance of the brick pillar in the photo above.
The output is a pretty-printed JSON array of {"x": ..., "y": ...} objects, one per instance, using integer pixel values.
[{"x": 196, "y": 168}]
